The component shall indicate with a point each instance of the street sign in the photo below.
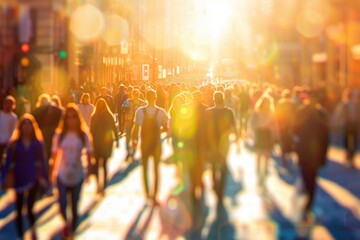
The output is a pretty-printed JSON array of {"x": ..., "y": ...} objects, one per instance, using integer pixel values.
[{"x": 145, "y": 72}]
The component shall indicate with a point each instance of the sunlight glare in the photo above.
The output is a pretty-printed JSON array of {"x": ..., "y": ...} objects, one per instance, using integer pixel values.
[
  {"x": 310, "y": 23},
  {"x": 116, "y": 30},
  {"x": 86, "y": 22}
]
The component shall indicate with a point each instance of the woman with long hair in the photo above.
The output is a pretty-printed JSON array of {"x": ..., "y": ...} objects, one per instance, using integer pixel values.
[
  {"x": 86, "y": 108},
  {"x": 263, "y": 124},
  {"x": 25, "y": 157},
  {"x": 104, "y": 131},
  {"x": 68, "y": 171}
]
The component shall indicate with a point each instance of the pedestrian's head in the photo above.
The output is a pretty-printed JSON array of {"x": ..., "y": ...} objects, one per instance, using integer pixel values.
[
  {"x": 72, "y": 121},
  {"x": 121, "y": 88},
  {"x": 151, "y": 95},
  {"x": 9, "y": 104},
  {"x": 27, "y": 127},
  {"x": 286, "y": 93},
  {"x": 85, "y": 98},
  {"x": 197, "y": 96},
  {"x": 43, "y": 100},
  {"x": 177, "y": 102},
  {"x": 129, "y": 89},
  {"x": 56, "y": 99},
  {"x": 135, "y": 93},
  {"x": 227, "y": 93},
  {"x": 103, "y": 91},
  {"x": 101, "y": 106},
  {"x": 218, "y": 98}
]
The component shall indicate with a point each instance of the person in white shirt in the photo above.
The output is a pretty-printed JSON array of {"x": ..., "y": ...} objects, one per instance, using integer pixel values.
[
  {"x": 151, "y": 120},
  {"x": 86, "y": 108},
  {"x": 68, "y": 171},
  {"x": 8, "y": 120}
]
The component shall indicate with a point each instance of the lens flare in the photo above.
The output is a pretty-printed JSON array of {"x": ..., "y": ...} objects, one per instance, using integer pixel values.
[
  {"x": 310, "y": 23},
  {"x": 86, "y": 22},
  {"x": 116, "y": 30}
]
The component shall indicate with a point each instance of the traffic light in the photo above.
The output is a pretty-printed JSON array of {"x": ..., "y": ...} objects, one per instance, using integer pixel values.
[
  {"x": 62, "y": 54},
  {"x": 24, "y": 61},
  {"x": 25, "y": 48},
  {"x": 24, "y": 58}
]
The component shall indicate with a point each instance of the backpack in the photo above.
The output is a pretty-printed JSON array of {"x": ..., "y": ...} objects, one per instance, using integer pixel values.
[{"x": 150, "y": 132}]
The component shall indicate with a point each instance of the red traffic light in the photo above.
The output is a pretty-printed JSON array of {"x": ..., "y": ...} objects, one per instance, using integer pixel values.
[{"x": 25, "y": 48}]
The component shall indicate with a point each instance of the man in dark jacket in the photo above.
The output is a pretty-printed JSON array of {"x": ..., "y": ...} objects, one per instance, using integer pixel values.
[
  {"x": 108, "y": 99},
  {"x": 221, "y": 124},
  {"x": 192, "y": 121},
  {"x": 311, "y": 135},
  {"x": 48, "y": 116}
]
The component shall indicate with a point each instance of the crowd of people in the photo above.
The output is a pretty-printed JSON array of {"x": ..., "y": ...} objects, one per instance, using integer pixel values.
[{"x": 45, "y": 146}]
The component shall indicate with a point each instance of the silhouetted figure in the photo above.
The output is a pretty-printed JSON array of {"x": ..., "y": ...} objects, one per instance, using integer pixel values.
[
  {"x": 285, "y": 117},
  {"x": 192, "y": 122},
  {"x": 104, "y": 133},
  {"x": 348, "y": 119},
  {"x": 311, "y": 135},
  {"x": 221, "y": 124},
  {"x": 108, "y": 99},
  {"x": 48, "y": 116},
  {"x": 118, "y": 105}
]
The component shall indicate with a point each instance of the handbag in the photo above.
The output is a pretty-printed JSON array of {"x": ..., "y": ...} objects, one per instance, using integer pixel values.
[{"x": 9, "y": 181}]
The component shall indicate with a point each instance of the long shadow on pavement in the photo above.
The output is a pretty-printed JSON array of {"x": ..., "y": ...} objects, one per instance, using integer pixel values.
[
  {"x": 141, "y": 223},
  {"x": 221, "y": 228},
  {"x": 122, "y": 174},
  {"x": 232, "y": 187},
  {"x": 9, "y": 230}
]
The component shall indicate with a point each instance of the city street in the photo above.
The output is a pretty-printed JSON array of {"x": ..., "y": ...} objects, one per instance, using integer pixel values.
[{"x": 249, "y": 212}]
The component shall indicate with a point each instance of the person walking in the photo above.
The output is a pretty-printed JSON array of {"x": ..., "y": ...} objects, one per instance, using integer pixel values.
[
  {"x": 48, "y": 116},
  {"x": 151, "y": 120},
  {"x": 108, "y": 98},
  {"x": 68, "y": 171},
  {"x": 8, "y": 121},
  {"x": 311, "y": 133},
  {"x": 193, "y": 136},
  {"x": 130, "y": 106},
  {"x": 86, "y": 108},
  {"x": 263, "y": 125},
  {"x": 25, "y": 159},
  {"x": 118, "y": 106},
  {"x": 221, "y": 123},
  {"x": 347, "y": 115},
  {"x": 285, "y": 117},
  {"x": 104, "y": 132}
]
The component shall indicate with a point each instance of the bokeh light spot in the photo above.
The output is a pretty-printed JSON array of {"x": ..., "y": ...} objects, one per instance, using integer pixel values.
[
  {"x": 86, "y": 22},
  {"x": 310, "y": 23},
  {"x": 116, "y": 30},
  {"x": 24, "y": 62},
  {"x": 172, "y": 204},
  {"x": 180, "y": 144}
]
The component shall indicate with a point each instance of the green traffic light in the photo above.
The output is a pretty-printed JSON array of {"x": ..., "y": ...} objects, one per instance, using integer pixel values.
[{"x": 62, "y": 54}]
